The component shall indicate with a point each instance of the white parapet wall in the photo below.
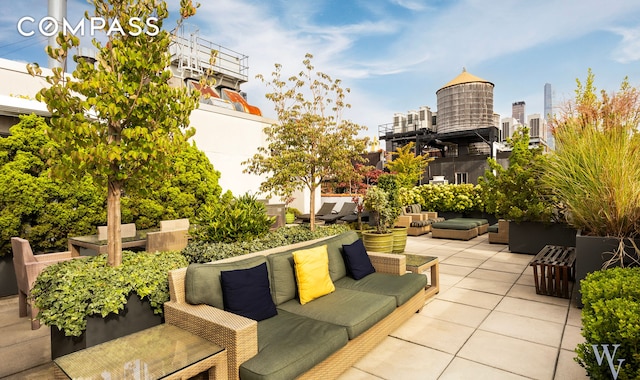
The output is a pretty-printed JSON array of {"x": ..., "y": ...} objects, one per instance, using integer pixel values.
[{"x": 227, "y": 137}]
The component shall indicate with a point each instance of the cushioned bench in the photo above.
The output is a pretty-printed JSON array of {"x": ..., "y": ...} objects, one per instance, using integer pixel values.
[
  {"x": 457, "y": 229},
  {"x": 318, "y": 338},
  {"x": 482, "y": 224}
]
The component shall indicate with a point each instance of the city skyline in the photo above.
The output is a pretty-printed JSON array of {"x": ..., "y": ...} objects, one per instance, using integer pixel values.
[{"x": 395, "y": 54}]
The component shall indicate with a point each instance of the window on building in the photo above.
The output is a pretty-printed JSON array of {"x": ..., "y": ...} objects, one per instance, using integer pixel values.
[
  {"x": 451, "y": 150},
  {"x": 462, "y": 177},
  {"x": 535, "y": 127}
]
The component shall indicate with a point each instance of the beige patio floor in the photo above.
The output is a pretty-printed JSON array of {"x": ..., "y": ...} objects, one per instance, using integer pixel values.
[{"x": 487, "y": 322}]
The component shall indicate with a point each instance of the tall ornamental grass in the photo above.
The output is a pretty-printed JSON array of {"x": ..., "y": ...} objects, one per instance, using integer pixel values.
[{"x": 595, "y": 169}]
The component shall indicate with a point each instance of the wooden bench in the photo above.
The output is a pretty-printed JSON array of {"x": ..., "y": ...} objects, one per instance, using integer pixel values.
[{"x": 553, "y": 267}]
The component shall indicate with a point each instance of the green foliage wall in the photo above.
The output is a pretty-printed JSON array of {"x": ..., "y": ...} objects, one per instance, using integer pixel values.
[
  {"x": 35, "y": 206},
  {"x": 444, "y": 198},
  {"x": 45, "y": 211}
]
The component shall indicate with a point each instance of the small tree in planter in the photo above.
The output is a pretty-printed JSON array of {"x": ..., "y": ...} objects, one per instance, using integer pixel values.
[
  {"x": 391, "y": 185},
  {"x": 517, "y": 194},
  {"x": 381, "y": 239}
]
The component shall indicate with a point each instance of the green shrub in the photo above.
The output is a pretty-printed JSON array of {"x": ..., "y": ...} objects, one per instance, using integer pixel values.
[
  {"x": 232, "y": 219},
  {"x": 203, "y": 252},
  {"x": 611, "y": 316},
  {"x": 444, "y": 198},
  {"x": 67, "y": 292}
]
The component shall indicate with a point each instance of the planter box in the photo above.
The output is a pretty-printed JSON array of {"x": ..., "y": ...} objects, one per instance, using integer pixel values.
[
  {"x": 591, "y": 256},
  {"x": 137, "y": 315},
  {"x": 8, "y": 283},
  {"x": 449, "y": 214},
  {"x": 531, "y": 237}
]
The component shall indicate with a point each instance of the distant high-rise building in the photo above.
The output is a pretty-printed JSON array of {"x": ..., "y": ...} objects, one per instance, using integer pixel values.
[
  {"x": 548, "y": 113},
  {"x": 518, "y": 111},
  {"x": 548, "y": 101}
]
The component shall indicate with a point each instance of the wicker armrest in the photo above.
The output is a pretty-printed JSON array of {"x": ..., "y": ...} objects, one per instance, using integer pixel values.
[
  {"x": 416, "y": 217},
  {"x": 53, "y": 256},
  {"x": 237, "y": 334},
  {"x": 389, "y": 263}
]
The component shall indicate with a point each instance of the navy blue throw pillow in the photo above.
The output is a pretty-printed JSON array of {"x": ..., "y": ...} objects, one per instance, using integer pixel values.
[
  {"x": 246, "y": 292},
  {"x": 357, "y": 261}
]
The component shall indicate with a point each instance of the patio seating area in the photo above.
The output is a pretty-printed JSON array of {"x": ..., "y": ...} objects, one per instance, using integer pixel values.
[{"x": 486, "y": 322}]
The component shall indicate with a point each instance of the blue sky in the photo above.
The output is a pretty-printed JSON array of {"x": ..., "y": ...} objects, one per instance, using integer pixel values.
[{"x": 395, "y": 54}]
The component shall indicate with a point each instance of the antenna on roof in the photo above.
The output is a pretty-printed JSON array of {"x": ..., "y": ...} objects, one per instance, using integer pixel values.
[{"x": 464, "y": 69}]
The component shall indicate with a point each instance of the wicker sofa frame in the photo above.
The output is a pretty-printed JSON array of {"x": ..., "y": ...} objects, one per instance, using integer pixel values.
[
  {"x": 445, "y": 233},
  {"x": 502, "y": 236},
  {"x": 239, "y": 335}
]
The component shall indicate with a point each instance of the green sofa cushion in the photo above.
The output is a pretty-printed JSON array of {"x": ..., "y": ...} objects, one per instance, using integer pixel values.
[
  {"x": 337, "y": 268},
  {"x": 289, "y": 345},
  {"x": 493, "y": 228},
  {"x": 478, "y": 222},
  {"x": 357, "y": 311},
  {"x": 455, "y": 225},
  {"x": 202, "y": 281},
  {"x": 281, "y": 267},
  {"x": 401, "y": 287}
]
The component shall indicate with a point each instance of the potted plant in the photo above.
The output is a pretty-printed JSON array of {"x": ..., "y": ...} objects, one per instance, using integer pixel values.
[
  {"x": 517, "y": 195},
  {"x": 595, "y": 172},
  {"x": 380, "y": 239},
  {"x": 390, "y": 184},
  {"x": 87, "y": 301}
]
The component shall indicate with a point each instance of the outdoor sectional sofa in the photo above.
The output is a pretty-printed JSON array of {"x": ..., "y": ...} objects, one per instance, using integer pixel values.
[{"x": 318, "y": 339}]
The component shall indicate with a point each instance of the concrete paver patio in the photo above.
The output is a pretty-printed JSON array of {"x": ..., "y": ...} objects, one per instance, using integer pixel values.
[{"x": 487, "y": 322}]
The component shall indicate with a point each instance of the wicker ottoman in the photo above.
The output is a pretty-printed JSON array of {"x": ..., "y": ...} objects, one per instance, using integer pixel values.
[{"x": 454, "y": 229}]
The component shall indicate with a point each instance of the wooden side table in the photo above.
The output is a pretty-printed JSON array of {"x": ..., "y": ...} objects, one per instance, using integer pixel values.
[{"x": 418, "y": 264}]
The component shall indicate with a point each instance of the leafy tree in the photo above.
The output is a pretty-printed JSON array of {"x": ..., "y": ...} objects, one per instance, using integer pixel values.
[
  {"x": 311, "y": 141},
  {"x": 516, "y": 193},
  {"x": 408, "y": 167},
  {"x": 119, "y": 119},
  {"x": 35, "y": 206}
]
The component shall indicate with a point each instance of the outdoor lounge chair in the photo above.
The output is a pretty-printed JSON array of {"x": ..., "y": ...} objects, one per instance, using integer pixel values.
[
  {"x": 353, "y": 218},
  {"x": 325, "y": 209},
  {"x": 28, "y": 266},
  {"x": 348, "y": 208}
]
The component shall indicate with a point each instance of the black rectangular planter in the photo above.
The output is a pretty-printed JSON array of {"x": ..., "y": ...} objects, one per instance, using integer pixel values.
[
  {"x": 591, "y": 254},
  {"x": 136, "y": 316},
  {"x": 8, "y": 283},
  {"x": 531, "y": 237}
]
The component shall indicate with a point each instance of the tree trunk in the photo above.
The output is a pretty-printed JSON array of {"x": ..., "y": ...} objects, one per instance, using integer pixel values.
[
  {"x": 312, "y": 208},
  {"x": 114, "y": 239}
]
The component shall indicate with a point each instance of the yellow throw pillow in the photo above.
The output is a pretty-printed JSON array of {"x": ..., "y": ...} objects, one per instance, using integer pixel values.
[{"x": 312, "y": 273}]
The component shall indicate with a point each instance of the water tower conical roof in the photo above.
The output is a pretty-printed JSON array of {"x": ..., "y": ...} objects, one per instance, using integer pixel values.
[{"x": 465, "y": 77}]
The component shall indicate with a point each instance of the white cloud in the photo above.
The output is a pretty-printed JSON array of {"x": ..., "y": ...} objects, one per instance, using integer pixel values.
[{"x": 629, "y": 48}]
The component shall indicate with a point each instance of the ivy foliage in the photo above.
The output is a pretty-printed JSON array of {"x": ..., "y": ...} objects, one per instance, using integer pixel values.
[
  {"x": 517, "y": 192},
  {"x": 67, "y": 292},
  {"x": 200, "y": 251},
  {"x": 232, "y": 219}
]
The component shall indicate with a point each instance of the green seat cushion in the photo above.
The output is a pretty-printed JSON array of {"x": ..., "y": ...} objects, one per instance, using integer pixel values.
[
  {"x": 357, "y": 311},
  {"x": 337, "y": 268},
  {"x": 401, "y": 287},
  {"x": 454, "y": 225},
  {"x": 202, "y": 281},
  {"x": 478, "y": 222},
  {"x": 289, "y": 345},
  {"x": 493, "y": 228}
]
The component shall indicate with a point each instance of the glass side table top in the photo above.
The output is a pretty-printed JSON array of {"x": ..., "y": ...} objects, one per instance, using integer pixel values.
[
  {"x": 418, "y": 260},
  {"x": 150, "y": 354}
]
